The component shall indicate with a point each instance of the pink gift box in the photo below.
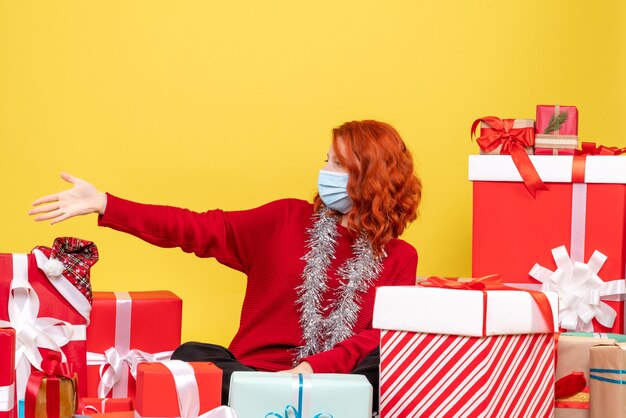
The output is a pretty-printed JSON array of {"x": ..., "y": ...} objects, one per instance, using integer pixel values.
[
  {"x": 554, "y": 151},
  {"x": 546, "y": 112}
]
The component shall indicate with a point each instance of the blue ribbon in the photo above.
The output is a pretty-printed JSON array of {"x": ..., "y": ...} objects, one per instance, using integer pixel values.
[
  {"x": 619, "y": 372},
  {"x": 297, "y": 412}
]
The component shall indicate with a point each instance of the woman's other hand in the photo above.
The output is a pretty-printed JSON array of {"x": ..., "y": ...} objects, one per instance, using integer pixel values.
[
  {"x": 82, "y": 199},
  {"x": 303, "y": 367}
]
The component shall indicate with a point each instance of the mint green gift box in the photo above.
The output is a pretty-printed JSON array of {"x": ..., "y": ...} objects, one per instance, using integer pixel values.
[{"x": 289, "y": 395}]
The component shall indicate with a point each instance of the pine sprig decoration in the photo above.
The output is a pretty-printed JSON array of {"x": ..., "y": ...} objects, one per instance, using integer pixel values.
[{"x": 556, "y": 121}]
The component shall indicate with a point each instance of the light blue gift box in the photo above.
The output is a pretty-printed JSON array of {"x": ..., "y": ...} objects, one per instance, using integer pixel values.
[{"x": 291, "y": 395}]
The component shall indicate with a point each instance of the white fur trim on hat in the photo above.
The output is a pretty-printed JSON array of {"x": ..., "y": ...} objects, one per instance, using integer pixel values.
[{"x": 53, "y": 267}]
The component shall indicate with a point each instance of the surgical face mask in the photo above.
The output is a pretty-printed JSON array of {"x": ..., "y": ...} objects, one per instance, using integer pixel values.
[{"x": 331, "y": 187}]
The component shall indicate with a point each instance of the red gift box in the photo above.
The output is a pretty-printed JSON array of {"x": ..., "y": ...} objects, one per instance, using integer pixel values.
[
  {"x": 548, "y": 113},
  {"x": 7, "y": 373},
  {"x": 161, "y": 385},
  {"x": 583, "y": 210},
  {"x": 91, "y": 406},
  {"x": 54, "y": 310},
  {"x": 121, "y": 333}
]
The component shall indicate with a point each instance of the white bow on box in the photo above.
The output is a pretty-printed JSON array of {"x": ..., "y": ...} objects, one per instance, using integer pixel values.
[
  {"x": 580, "y": 290},
  {"x": 116, "y": 362},
  {"x": 114, "y": 368}
]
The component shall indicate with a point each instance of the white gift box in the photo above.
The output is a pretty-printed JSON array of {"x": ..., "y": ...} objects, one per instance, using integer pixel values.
[{"x": 460, "y": 312}]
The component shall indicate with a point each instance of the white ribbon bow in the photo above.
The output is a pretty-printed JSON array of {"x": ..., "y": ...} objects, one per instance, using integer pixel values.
[
  {"x": 114, "y": 366},
  {"x": 188, "y": 394},
  {"x": 31, "y": 332},
  {"x": 580, "y": 290}
]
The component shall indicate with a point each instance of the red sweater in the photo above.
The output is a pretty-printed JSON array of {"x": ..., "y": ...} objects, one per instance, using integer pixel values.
[{"x": 267, "y": 244}]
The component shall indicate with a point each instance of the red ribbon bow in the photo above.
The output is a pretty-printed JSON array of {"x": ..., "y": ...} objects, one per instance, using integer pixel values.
[
  {"x": 492, "y": 282},
  {"x": 77, "y": 256},
  {"x": 589, "y": 148},
  {"x": 569, "y": 385},
  {"x": 53, "y": 370},
  {"x": 513, "y": 142}
]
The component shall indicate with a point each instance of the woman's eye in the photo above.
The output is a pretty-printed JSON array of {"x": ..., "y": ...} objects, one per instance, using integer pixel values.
[
  {"x": 326, "y": 160},
  {"x": 337, "y": 163}
]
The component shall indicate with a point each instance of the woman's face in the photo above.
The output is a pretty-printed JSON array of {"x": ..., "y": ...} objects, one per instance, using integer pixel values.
[{"x": 332, "y": 162}]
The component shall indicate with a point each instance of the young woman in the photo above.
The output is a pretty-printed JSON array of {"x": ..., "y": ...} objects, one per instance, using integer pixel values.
[{"x": 312, "y": 268}]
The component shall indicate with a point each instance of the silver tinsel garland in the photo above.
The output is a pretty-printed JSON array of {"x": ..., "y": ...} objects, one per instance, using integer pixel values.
[{"x": 322, "y": 332}]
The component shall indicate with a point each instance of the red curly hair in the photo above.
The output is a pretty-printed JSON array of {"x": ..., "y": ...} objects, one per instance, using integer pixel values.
[{"x": 384, "y": 189}]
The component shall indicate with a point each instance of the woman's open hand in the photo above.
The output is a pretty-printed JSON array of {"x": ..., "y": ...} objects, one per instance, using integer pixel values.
[{"x": 82, "y": 199}]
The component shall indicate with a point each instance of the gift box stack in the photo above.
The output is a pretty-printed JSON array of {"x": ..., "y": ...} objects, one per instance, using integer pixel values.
[
  {"x": 554, "y": 221},
  {"x": 65, "y": 349}
]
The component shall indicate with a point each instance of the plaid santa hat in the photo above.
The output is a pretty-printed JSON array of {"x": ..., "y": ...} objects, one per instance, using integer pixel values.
[{"x": 72, "y": 258}]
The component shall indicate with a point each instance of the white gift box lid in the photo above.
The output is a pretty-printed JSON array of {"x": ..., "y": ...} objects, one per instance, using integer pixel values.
[
  {"x": 551, "y": 168},
  {"x": 460, "y": 312}
]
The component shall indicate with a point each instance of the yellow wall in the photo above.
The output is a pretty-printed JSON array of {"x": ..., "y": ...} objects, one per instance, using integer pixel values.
[{"x": 230, "y": 104}]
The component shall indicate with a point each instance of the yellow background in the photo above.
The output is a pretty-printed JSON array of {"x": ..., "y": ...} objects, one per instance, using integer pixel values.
[{"x": 230, "y": 104}]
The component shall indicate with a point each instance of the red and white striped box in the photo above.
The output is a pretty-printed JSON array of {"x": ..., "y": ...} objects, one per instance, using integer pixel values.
[{"x": 435, "y": 360}]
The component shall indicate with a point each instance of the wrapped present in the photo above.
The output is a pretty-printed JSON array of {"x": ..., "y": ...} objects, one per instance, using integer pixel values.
[
  {"x": 52, "y": 392},
  {"x": 554, "y": 151},
  {"x": 557, "y": 120},
  {"x": 573, "y": 357},
  {"x": 521, "y": 129},
  {"x": 607, "y": 370},
  {"x": 557, "y": 130},
  {"x": 7, "y": 373},
  {"x": 91, "y": 406},
  {"x": 177, "y": 389},
  {"x": 465, "y": 350},
  {"x": 47, "y": 293},
  {"x": 513, "y": 232},
  {"x": 118, "y": 338},
  {"x": 510, "y": 136},
  {"x": 324, "y": 395}
]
